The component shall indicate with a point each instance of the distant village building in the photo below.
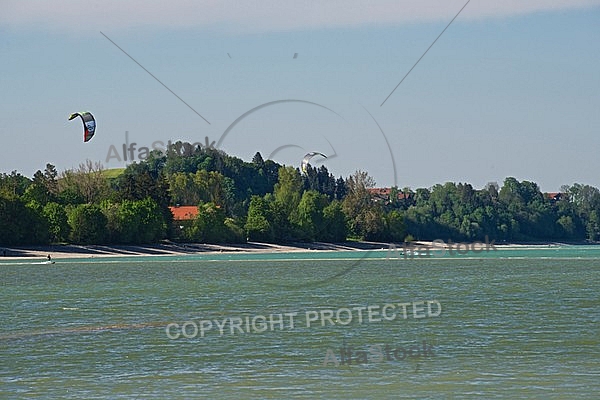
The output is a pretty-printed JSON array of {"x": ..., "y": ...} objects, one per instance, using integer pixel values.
[
  {"x": 555, "y": 196},
  {"x": 384, "y": 195},
  {"x": 184, "y": 213}
]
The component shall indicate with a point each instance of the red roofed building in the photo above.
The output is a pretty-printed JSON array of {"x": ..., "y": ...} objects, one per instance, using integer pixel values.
[
  {"x": 555, "y": 196},
  {"x": 383, "y": 194},
  {"x": 184, "y": 213}
]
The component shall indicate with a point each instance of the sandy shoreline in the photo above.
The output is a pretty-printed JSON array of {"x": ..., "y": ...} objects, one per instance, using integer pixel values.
[{"x": 170, "y": 249}]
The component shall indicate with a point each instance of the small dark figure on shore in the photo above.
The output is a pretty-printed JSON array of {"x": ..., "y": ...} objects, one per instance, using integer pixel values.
[{"x": 49, "y": 257}]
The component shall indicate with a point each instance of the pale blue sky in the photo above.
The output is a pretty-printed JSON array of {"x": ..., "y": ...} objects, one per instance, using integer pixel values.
[{"x": 508, "y": 90}]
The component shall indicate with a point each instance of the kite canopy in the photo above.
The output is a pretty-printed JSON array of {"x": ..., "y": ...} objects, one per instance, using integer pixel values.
[
  {"x": 307, "y": 158},
  {"x": 89, "y": 124}
]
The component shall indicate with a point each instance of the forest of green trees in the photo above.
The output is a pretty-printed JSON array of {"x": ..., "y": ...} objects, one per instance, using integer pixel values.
[{"x": 264, "y": 201}]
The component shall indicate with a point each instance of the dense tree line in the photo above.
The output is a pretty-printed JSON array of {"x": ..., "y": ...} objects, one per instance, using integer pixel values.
[
  {"x": 264, "y": 201},
  {"x": 518, "y": 211}
]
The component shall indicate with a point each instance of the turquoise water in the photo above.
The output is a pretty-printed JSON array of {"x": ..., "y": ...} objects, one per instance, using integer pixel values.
[{"x": 518, "y": 323}]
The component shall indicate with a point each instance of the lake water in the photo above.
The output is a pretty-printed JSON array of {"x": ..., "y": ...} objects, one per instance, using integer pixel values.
[{"x": 511, "y": 323}]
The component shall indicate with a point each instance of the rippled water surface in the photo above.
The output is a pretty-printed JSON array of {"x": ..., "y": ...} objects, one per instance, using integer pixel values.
[{"x": 522, "y": 323}]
